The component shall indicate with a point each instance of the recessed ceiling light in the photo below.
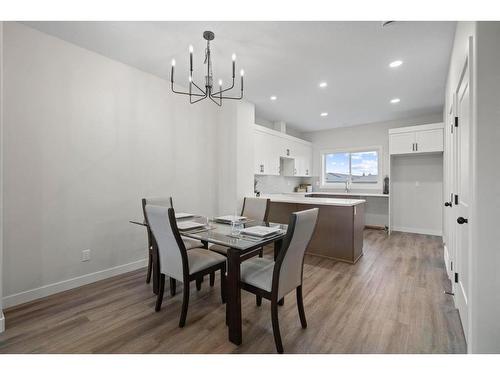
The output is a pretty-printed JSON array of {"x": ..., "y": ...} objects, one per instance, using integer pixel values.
[
  {"x": 396, "y": 63},
  {"x": 395, "y": 100},
  {"x": 323, "y": 84},
  {"x": 274, "y": 97},
  {"x": 323, "y": 114}
]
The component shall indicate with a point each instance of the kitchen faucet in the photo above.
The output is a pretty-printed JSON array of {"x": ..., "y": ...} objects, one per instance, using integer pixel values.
[{"x": 347, "y": 184}]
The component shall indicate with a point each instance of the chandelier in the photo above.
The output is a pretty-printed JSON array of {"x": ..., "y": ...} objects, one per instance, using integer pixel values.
[{"x": 200, "y": 94}]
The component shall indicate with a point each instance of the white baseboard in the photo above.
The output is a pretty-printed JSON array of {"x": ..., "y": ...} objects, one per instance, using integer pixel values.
[
  {"x": 61, "y": 286},
  {"x": 431, "y": 232},
  {"x": 2, "y": 322}
]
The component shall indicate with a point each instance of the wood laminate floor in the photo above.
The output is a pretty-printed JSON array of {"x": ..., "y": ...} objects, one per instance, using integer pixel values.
[{"x": 391, "y": 301}]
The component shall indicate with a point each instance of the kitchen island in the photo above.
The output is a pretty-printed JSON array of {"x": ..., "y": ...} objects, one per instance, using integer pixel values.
[{"x": 339, "y": 231}]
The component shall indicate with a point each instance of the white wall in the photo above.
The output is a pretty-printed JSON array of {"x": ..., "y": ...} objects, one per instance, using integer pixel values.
[
  {"x": 486, "y": 245},
  {"x": 360, "y": 136},
  {"x": 235, "y": 156},
  {"x": 417, "y": 193},
  {"x": 2, "y": 319},
  {"x": 85, "y": 137}
]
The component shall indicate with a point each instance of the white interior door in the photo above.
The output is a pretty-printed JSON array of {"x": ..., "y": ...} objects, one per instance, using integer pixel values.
[{"x": 463, "y": 202}]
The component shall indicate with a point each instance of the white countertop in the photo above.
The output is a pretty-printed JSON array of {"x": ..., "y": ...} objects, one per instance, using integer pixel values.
[
  {"x": 297, "y": 198},
  {"x": 351, "y": 193}
]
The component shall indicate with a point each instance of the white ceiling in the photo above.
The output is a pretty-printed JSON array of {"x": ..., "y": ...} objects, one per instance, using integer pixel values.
[{"x": 289, "y": 59}]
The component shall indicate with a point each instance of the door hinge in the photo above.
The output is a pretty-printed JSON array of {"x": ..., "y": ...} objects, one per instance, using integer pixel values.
[
  {"x": 456, "y": 121},
  {"x": 451, "y": 265},
  {"x": 456, "y": 277},
  {"x": 456, "y": 199},
  {"x": 451, "y": 126}
]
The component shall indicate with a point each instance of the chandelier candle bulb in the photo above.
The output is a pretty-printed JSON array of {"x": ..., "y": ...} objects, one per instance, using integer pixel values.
[
  {"x": 191, "y": 58},
  {"x": 234, "y": 63},
  {"x": 172, "y": 73}
]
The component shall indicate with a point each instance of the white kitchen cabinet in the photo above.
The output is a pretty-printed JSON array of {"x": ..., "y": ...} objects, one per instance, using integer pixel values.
[
  {"x": 416, "y": 139},
  {"x": 277, "y": 153},
  {"x": 429, "y": 140},
  {"x": 266, "y": 159}
]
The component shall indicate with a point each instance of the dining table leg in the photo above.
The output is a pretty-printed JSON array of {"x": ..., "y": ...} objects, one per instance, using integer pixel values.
[
  {"x": 233, "y": 302},
  {"x": 277, "y": 248}
]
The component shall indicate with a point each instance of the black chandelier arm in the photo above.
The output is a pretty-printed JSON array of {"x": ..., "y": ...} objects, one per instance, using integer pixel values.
[
  {"x": 230, "y": 97},
  {"x": 197, "y": 100},
  {"x": 185, "y": 93},
  {"x": 198, "y": 87},
  {"x": 219, "y": 103},
  {"x": 221, "y": 91}
]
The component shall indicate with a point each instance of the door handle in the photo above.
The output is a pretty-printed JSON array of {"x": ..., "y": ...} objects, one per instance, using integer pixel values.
[
  {"x": 462, "y": 220},
  {"x": 447, "y": 204}
]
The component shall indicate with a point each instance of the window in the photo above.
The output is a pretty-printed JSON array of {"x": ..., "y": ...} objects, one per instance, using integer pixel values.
[{"x": 361, "y": 167}]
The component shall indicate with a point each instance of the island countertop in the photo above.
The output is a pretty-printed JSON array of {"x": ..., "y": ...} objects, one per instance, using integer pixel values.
[{"x": 298, "y": 199}]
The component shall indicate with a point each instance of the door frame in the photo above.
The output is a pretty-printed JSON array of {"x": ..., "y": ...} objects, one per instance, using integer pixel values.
[{"x": 468, "y": 67}]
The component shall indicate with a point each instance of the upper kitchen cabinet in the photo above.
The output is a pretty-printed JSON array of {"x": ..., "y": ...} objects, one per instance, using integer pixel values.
[
  {"x": 277, "y": 153},
  {"x": 416, "y": 139},
  {"x": 266, "y": 154}
]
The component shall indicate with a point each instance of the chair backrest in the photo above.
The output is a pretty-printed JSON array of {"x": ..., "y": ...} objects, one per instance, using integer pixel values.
[
  {"x": 289, "y": 264},
  {"x": 171, "y": 250},
  {"x": 256, "y": 208},
  {"x": 157, "y": 201}
]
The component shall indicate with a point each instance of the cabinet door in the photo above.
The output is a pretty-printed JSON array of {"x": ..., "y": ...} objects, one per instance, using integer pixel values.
[
  {"x": 401, "y": 143},
  {"x": 274, "y": 145},
  {"x": 308, "y": 160},
  {"x": 259, "y": 152},
  {"x": 429, "y": 140}
]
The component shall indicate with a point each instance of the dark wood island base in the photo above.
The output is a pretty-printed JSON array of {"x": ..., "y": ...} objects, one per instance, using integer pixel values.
[{"x": 338, "y": 234}]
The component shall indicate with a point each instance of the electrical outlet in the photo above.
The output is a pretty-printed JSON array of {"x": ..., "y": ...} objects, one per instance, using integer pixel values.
[{"x": 86, "y": 255}]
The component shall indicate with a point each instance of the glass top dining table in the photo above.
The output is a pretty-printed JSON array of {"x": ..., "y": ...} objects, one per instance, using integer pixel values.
[
  {"x": 223, "y": 234},
  {"x": 240, "y": 248}
]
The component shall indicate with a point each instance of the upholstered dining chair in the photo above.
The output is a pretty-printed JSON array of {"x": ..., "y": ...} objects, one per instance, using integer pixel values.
[
  {"x": 253, "y": 209},
  {"x": 188, "y": 242},
  {"x": 178, "y": 263},
  {"x": 273, "y": 280}
]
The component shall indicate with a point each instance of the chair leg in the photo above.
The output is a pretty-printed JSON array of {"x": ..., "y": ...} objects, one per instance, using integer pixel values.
[
  {"x": 150, "y": 267},
  {"x": 212, "y": 278},
  {"x": 223, "y": 283},
  {"x": 276, "y": 326},
  {"x": 173, "y": 285},
  {"x": 261, "y": 252},
  {"x": 198, "y": 284},
  {"x": 258, "y": 300},
  {"x": 185, "y": 303},
  {"x": 159, "y": 298},
  {"x": 300, "y": 306}
]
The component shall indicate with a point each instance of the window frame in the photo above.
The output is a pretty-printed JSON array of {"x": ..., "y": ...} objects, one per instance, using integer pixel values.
[{"x": 354, "y": 185}]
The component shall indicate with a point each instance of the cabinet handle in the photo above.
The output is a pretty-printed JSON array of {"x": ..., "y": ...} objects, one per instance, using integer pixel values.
[
  {"x": 416, "y": 146},
  {"x": 294, "y": 171},
  {"x": 262, "y": 168},
  {"x": 413, "y": 146},
  {"x": 287, "y": 152},
  {"x": 307, "y": 171}
]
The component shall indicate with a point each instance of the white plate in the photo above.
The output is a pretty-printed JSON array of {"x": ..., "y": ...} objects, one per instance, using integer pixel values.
[
  {"x": 230, "y": 218},
  {"x": 186, "y": 225},
  {"x": 182, "y": 215},
  {"x": 261, "y": 231}
]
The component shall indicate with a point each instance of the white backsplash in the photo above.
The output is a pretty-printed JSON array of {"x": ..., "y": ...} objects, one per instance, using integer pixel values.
[{"x": 279, "y": 184}]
